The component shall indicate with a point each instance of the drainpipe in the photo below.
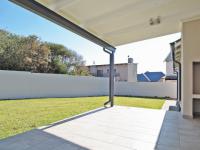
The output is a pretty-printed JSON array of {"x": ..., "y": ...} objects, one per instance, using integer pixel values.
[
  {"x": 179, "y": 75},
  {"x": 177, "y": 86},
  {"x": 111, "y": 79},
  {"x": 179, "y": 83}
]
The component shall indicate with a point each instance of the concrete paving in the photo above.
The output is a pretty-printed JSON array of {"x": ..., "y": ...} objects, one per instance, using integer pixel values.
[
  {"x": 117, "y": 128},
  {"x": 168, "y": 104}
]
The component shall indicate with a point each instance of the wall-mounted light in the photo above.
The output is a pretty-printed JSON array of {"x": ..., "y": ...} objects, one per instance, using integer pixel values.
[{"x": 154, "y": 21}]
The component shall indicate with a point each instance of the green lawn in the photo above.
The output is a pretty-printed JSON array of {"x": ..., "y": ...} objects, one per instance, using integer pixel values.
[{"x": 17, "y": 116}]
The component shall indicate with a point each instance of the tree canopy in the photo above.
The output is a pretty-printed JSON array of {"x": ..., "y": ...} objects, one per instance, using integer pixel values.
[{"x": 31, "y": 54}]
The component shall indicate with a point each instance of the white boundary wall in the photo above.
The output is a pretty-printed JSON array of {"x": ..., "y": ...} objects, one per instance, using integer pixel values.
[
  {"x": 149, "y": 89},
  {"x": 15, "y": 85}
]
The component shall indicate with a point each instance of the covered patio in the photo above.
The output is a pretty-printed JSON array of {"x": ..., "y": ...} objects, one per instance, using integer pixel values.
[
  {"x": 119, "y": 128},
  {"x": 110, "y": 23}
]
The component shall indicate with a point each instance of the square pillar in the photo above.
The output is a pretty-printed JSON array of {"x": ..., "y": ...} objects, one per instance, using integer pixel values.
[{"x": 190, "y": 54}]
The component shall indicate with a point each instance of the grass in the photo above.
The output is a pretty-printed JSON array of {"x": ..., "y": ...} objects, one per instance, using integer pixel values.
[{"x": 18, "y": 116}]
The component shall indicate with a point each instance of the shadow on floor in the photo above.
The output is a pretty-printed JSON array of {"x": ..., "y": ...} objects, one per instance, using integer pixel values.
[
  {"x": 169, "y": 137},
  {"x": 74, "y": 117},
  {"x": 38, "y": 140},
  {"x": 139, "y": 129}
]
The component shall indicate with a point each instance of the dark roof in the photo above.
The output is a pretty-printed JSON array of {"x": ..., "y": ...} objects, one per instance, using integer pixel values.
[
  {"x": 171, "y": 77},
  {"x": 150, "y": 76},
  {"x": 107, "y": 64},
  {"x": 177, "y": 41}
]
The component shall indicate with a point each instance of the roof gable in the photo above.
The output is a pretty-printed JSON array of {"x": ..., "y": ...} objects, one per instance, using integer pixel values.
[
  {"x": 154, "y": 76},
  {"x": 141, "y": 78},
  {"x": 169, "y": 57}
]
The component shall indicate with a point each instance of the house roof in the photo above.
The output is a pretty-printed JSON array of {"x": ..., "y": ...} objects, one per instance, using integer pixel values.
[
  {"x": 108, "y": 64},
  {"x": 177, "y": 50},
  {"x": 176, "y": 53},
  {"x": 150, "y": 76},
  {"x": 120, "y": 22},
  {"x": 141, "y": 78}
]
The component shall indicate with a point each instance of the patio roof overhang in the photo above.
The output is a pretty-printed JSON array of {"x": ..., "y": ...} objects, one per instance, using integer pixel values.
[
  {"x": 110, "y": 23},
  {"x": 116, "y": 22}
]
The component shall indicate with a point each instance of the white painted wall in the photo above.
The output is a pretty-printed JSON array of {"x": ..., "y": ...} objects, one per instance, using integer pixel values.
[
  {"x": 15, "y": 85},
  {"x": 169, "y": 68},
  {"x": 149, "y": 89},
  {"x": 190, "y": 53},
  {"x": 132, "y": 72}
]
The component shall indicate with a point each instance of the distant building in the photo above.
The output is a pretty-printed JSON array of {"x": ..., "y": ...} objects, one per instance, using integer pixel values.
[
  {"x": 169, "y": 64},
  {"x": 171, "y": 74},
  {"x": 123, "y": 71},
  {"x": 150, "y": 77}
]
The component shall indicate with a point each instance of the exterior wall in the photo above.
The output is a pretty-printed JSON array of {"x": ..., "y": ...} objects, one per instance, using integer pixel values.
[
  {"x": 169, "y": 68},
  {"x": 15, "y": 85},
  {"x": 123, "y": 71},
  {"x": 132, "y": 72},
  {"x": 93, "y": 70},
  {"x": 170, "y": 81},
  {"x": 149, "y": 89},
  {"x": 32, "y": 85},
  {"x": 104, "y": 68},
  {"x": 190, "y": 53}
]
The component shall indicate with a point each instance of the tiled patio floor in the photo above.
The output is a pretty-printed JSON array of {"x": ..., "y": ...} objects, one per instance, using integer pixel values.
[{"x": 117, "y": 128}]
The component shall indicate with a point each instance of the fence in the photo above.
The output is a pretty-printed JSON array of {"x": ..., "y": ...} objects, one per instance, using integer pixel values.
[
  {"x": 15, "y": 85},
  {"x": 149, "y": 89}
]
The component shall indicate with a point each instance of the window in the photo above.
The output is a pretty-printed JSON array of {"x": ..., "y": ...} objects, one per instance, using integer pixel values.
[{"x": 99, "y": 73}]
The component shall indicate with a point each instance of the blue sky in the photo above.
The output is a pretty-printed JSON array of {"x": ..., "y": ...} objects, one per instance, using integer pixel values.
[{"x": 149, "y": 54}]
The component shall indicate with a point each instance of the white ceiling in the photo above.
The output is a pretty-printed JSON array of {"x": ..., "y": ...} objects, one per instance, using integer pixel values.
[{"x": 120, "y": 22}]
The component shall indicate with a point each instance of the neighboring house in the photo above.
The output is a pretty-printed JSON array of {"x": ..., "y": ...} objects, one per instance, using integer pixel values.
[
  {"x": 150, "y": 77},
  {"x": 123, "y": 72},
  {"x": 169, "y": 64},
  {"x": 142, "y": 78},
  {"x": 176, "y": 56},
  {"x": 171, "y": 74}
]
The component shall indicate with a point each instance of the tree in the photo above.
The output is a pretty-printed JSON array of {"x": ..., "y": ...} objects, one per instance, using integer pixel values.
[
  {"x": 22, "y": 53},
  {"x": 31, "y": 54},
  {"x": 66, "y": 61},
  {"x": 35, "y": 55},
  {"x": 76, "y": 65},
  {"x": 10, "y": 51}
]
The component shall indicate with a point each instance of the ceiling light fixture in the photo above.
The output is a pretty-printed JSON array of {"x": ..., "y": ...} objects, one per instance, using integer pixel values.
[{"x": 154, "y": 21}]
